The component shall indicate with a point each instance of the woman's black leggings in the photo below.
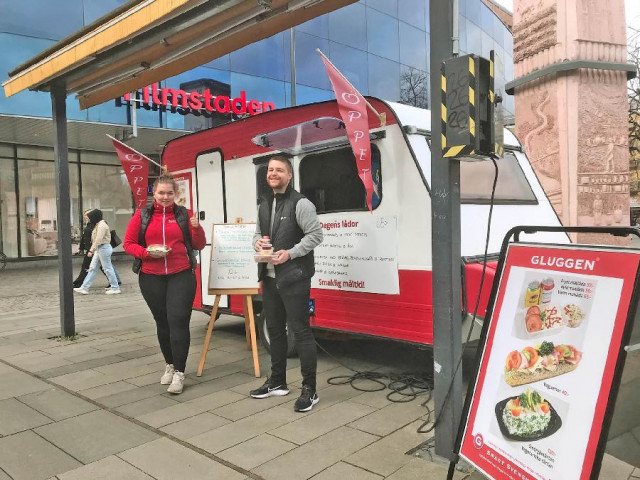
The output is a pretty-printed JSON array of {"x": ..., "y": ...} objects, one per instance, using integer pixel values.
[{"x": 170, "y": 299}]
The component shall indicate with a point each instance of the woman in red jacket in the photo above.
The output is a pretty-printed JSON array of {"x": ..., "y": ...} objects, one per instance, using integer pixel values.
[{"x": 167, "y": 279}]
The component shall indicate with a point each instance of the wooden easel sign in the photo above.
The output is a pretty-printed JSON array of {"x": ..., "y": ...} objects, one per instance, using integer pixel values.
[{"x": 233, "y": 272}]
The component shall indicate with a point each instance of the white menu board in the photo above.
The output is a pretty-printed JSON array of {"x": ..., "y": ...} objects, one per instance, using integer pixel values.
[
  {"x": 359, "y": 253},
  {"x": 232, "y": 264}
]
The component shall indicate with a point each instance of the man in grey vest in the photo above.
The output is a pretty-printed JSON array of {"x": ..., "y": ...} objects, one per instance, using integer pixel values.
[{"x": 290, "y": 220}]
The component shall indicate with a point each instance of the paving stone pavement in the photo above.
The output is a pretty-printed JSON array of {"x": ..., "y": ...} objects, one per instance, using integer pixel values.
[{"x": 92, "y": 408}]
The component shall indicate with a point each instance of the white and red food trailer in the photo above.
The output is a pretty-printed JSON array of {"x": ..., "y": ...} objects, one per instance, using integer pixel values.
[{"x": 374, "y": 269}]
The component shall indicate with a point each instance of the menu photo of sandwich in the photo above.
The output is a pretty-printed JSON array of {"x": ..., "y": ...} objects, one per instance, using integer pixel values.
[{"x": 539, "y": 362}]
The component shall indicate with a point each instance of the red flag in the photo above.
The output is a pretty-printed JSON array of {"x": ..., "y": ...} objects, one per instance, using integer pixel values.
[
  {"x": 136, "y": 167},
  {"x": 353, "y": 110}
]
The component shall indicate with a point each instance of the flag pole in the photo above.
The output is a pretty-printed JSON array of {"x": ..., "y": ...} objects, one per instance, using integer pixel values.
[
  {"x": 141, "y": 155},
  {"x": 381, "y": 116}
]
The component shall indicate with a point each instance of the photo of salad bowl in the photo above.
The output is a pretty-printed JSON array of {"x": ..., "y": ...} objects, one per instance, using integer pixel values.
[{"x": 527, "y": 417}]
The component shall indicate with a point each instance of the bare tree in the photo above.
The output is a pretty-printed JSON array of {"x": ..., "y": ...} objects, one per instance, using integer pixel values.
[{"x": 414, "y": 88}]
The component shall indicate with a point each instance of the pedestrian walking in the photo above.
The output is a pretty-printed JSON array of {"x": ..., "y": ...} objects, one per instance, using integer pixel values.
[
  {"x": 291, "y": 223},
  {"x": 163, "y": 237},
  {"x": 100, "y": 253},
  {"x": 83, "y": 249}
]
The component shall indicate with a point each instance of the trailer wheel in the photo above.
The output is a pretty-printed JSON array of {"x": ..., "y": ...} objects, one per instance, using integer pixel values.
[{"x": 261, "y": 320}]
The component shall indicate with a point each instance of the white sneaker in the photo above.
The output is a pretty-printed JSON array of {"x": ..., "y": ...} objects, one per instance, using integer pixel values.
[
  {"x": 112, "y": 292},
  {"x": 177, "y": 384},
  {"x": 168, "y": 375},
  {"x": 81, "y": 290}
]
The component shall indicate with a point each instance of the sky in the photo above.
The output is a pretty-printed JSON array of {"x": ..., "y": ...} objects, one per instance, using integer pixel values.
[{"x": 632, "y": 10}]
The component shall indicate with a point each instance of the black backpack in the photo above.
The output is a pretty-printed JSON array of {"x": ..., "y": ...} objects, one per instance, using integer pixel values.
[{"x": 182, "y": 218}]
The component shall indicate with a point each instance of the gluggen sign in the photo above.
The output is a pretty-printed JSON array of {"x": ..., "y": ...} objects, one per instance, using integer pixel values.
[{"x": 197, "y": 103}]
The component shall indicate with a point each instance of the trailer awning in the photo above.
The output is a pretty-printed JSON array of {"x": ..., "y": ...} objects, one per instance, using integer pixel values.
[
  {"x": 146, "y": 41},
  {"x": 318, "y": 134}
]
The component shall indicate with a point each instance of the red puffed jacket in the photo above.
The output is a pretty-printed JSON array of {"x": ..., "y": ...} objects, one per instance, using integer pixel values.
[{"x": 163, "y": 229}]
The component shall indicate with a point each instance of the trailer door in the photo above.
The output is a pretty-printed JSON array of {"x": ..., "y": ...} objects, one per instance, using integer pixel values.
[{"x": 210, "y": 192}]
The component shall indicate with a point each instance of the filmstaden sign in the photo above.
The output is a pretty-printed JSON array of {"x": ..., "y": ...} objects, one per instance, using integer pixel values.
[{"x": 196, "y": 103}]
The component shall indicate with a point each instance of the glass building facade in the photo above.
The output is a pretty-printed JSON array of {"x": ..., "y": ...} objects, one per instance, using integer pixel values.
[{"x": 381, "y": 46}]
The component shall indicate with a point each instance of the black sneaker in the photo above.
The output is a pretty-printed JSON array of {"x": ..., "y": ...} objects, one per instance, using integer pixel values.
[
  {"x": 308, "y": 398},
  {"x": 269, "y": 390}
]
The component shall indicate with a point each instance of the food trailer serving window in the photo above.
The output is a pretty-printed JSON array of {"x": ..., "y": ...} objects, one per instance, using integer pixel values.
[
  {"x": 330, "y": 180},
  {"x": 476, "y": 180}
]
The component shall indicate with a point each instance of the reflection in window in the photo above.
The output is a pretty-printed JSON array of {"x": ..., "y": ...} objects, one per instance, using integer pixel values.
[
  {"x": 462, "y": 33},
  {"x": 383, "y": 78},
  {"x": 353, "y": 65},
  {"x": 413, "y": 12},
  {"x": 383, "y": 37},
  {"x": 318, "y": 26},
  {"x": 473, "y": 10},
  {"x": 413, "y": 47},
  {"x": 305, "y": 95},
  {"x": 486, "y": 19},
  {"x": 474, "y": 38},
  {"x": 264, "y": 58},
  {"x": 38, "y": 210},
  {"x": 498, "y": 28},
  {"x": 263, "y": 89},
  {"x": 476, "y": 180},
  {"x": 330, "y": 180},
  {"x": 414, "y": 87},
  {"x": 222, "y": 63},
  {"x": 487, "y": 45},
  {"x": 8, "y": 209},
  {"x": 309, "y": 67},
  {"x": 108, "y": 112},
  {"x": 348, "y": 26},
  {"x": 390, "y": 7}
]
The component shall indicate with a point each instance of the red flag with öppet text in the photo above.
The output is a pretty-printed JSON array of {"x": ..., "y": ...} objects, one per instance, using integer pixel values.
[
  {"x": 353, "y": 110},
  {"x": 136, "y": 167}
]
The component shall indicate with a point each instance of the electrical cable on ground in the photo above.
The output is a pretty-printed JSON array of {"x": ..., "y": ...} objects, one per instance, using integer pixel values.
[{"x": 404, "y": 387}]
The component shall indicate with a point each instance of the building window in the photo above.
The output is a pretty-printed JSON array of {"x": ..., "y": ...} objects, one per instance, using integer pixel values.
[
  {"x": 38, "y": 207},
  {"x": 8, "y": 209},
  {"x": 106, "y": 187},
  {"x": 330, "y": 180}
]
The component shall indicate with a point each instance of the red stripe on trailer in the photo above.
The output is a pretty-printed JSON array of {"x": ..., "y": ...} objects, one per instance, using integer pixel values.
[
  {"x": 234, "y": 139},
  {"x": 407, "y": 316}
]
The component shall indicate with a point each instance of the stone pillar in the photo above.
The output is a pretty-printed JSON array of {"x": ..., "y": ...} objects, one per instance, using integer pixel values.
[{"x": 573, "y": 121}]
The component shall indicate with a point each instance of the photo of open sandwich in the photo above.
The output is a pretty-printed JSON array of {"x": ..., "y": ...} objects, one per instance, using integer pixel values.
[
  {"x": 527, "y": 417},
  {"x": 543, "y": 317},
  {"x": 540, "y": 362}
]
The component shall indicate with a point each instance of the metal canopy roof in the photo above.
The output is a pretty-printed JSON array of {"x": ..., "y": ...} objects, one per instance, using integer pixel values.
[
  {"x": 84, "y": 135},
  {"x": 146, "y": 41}
]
